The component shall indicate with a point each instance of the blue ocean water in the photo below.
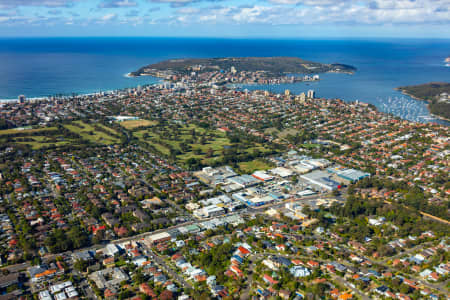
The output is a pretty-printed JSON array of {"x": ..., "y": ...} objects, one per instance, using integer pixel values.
[{"x": 38, "y": 67}]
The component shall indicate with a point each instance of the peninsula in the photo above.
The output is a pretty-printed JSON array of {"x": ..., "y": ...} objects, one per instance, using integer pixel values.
[
  {"x": 435, "y": 93},
  {"x": 241, "y": 69}
]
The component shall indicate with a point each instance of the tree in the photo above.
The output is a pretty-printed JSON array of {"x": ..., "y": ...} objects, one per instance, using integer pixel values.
[
  {"x": 78, "y": 237},
  {"x": 210, "y": 152},
  {"x": 80, "y": 265}
]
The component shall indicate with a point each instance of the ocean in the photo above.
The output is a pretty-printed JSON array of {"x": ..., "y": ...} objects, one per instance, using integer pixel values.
[{"x": 40, "y": 67}]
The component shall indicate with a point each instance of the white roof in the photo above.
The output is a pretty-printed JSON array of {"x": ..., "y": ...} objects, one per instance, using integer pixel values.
[
  {"x": 263, "y": 175},
  {"x": 61, "y": 296},
  {"x": 45, "y": 295},
  {"x": 159, "y": 236},
  {"x": 72, "y": 294},
  {"x": 282, "y": 172},
  {"x": 112, "y": 249},
  {"x": 212, "y": 209}
]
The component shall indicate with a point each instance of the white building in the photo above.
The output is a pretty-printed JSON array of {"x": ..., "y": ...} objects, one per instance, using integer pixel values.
[
  {"x": 112, "y": 249},
  {"x": 299, "y": 271},
  {"x": 209, "y": 211}
]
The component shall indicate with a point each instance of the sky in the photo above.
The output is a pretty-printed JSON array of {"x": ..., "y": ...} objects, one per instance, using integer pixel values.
[{"x": 226, "y": 18}]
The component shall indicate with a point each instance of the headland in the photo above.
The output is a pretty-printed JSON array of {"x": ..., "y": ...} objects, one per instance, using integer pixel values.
[
  {"x": 242, "y": 69},
  {"x": 435, "y": 93}
]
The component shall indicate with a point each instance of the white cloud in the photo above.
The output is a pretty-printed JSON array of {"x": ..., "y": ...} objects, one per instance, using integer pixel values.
[
  {"x": 117, "y": 4},
  {"x": 108, "y": 17},
  {"x": 372, "y": 12},
  {"x": 8, "y": 4},
  {"x": 266, "y": 12},
  {"x": 188, "y": 10}
]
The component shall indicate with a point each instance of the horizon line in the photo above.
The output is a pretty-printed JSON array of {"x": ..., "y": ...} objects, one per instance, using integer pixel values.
[{"x": 233, "y": 37}]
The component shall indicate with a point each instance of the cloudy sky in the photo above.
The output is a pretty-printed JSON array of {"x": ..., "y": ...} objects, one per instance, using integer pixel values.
[{"x": 226, "y": 18}]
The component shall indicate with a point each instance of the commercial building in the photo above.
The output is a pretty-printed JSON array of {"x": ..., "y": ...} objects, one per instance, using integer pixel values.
[
  {"x": 244, "y": 180},
  {"x": 112, "y": 249},
  {"x": 159, "y": 238},
  {"x": 282, "y": 172},
  {"x": 10, "y": 279},
  {"x": 352, "y": 175},
  {"x": 347, "y": 175},
  {"x": 209, "y": 211},
  {"x": 262, "y": 175},
  {"x": 215, "y": 176},
  {"x": 321, "y": 180},
  {"x": 253, "y": 199}
]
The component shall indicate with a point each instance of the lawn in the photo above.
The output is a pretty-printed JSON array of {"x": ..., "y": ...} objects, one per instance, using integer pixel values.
[
  {"x": 132, "y": 124},
  {"x": 272, "y": 131},
  {"x": 206, "y": 145},
  {"x": 254, "y": 165},
  {"x": 51, "y": 137},
  {"x": 25, "y": 131},
  {"x": 310, "y": 146},
  {"x": 40, "y": 142},
  {"x": 93, "y": 135},
  {"x": 287, "y": 131}
]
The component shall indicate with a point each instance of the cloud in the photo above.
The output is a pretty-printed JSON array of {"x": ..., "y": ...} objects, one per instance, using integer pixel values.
[
  {"x": 180, "y": 3},
  {"x": 132, "y": 13},
  {"x": 321, "y": 12},
  {"x": 174, "y": 3},
  {"x": 330, "y": 12},
  {"x": 108, "y": 17},
  {"x": 188, "y": 10},
  {"x": 308, "y": 2},
  {"x": 8, "y": 4},
  {"x": 286, "y": 2},
  {"x": 55, "y": 12},
  {"x": 117, "y": 4},
  {"x": 230, "y": 12}
]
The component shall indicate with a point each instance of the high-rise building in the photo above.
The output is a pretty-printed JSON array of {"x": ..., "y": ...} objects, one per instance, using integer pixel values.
[
  {"x": 22, "y": 99},
  {"x": 302, "y": 97},
  {"x": 311, "y": 94}
]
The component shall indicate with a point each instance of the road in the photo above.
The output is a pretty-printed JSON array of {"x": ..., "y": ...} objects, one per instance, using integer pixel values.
[
  {"x": 172, "y": 203},
  {"x": 411, "y": 250},
  {"x": 245, "y": 293},
  {"x": 339, "y": 279},
  {"x": 433, "y": 286},
  {"x": 424, "y": 214},
  {"x": 249, "y": 210},
  {"x": 168, "y": 270},
  {"x": 17, "y": 267},
  {"x": 347, "y": 284},
  {"x": 441, "y": 287}
]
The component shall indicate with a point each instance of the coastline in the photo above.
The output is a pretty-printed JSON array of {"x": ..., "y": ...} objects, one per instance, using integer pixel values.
[
  {"x": 160, "y": 80},
  {"x": 130, "y": 74},
  {"x": 419, "y": 99},
  {"x": 37, "y": 99}
]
